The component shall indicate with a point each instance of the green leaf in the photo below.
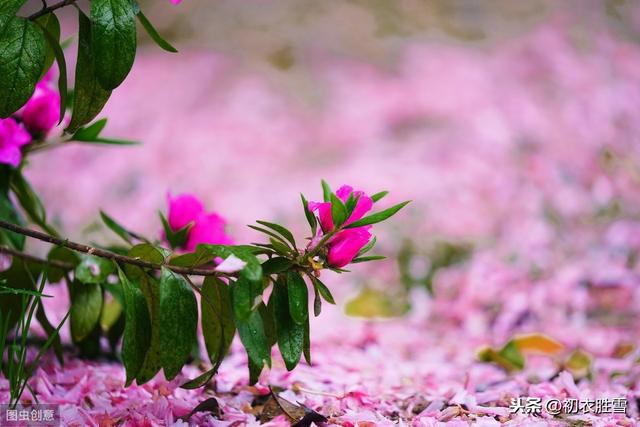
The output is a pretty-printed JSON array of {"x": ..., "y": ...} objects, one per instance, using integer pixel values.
[
  {"x": 8, "y": 8},
  {"x": 52, "y": 36},
  {"x": 243, "y": 295},
  {"x": 322, "y": 288},
  {"x": 367, "y": 259},
  {"x": 147, "y": 252},
  {"x": 111, "y": 141},
  {"x": 9, "y": 213},
  {"x": 178, "y": 322},
  {"x": 153, "y": 33},
  {"x": 366, "y": 248},
  {"x": 20, "y": 276},
  {"x": 110, "y": 313},
  {"x": 93, "y": 269},
  {"x": 218, "y": 327},
  {"x": 270, "y": 233},
  {"x": 351, "y": 203},
  {"x": 253, "y": 338},
  {"x": 114, "y": 330},
  {"x": 200, "y": 380},
  {"x": 91, "y": 132},
  {"x": 317, "y": 302},
  {"x": 114, "y": 226},
  {"x": 89, "y": 97},
  {"x": 254, "y": 372},
  {"x": 298, "y": 297},
  {"x": 113, "y": 40},
  {"x": 276, "y": 265},
  {"x": 512, "y": 353},
  {"x": 266, "y": 312},
  {"x": 62, "y": 254},
  {"x": 326, "y": 191},
  {"x": 372, "y": 303},
  {"x": 51, "y": 331},
  {"x": 311, "y": 218},
  {"x": 151, "y": 290},
  {"x": 376, "y": 197},
  {"x": 176, "y": 238},
  {"x": 378, "y": 216},
  {"x": 52, "y": 25},
  {"x": 193, "y": 259},
  {"x": 306, "y": 347},
  {"x": 137, "y": 329},
  {"x": 338, "y": 210},
  {"x": 22, "y": 56},
  {"x": 290, "y": 333},
  {"x": 30, "y": 202},
  {"x": 86, "y": 306},
  {"x": 280, "y": 229},
  {"x": 279, "y": 247}
]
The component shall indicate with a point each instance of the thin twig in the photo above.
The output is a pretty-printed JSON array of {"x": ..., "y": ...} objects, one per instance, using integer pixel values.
[
  {"x": 51, "y": 8},
  {"x": 53, "y": 262},
  {"x": 79, "y": 247}
]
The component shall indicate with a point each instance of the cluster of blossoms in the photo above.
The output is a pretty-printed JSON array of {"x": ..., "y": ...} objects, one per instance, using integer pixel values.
[
  {"x": 339, "y": 245},
  {"x": 345, "y": 244},
  {"x": 31, "y": 123}
]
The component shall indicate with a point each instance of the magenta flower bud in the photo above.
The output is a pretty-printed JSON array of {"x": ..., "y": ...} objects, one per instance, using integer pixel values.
[
  {"x": 346, "y": 245},
  {"x": 206, "y": 228},
  {"x": 12, "y": 137},
  {"x": 363, "y": 206},
  {"x": 183, "y": 209},
  {"x": 41, "y": 113}
]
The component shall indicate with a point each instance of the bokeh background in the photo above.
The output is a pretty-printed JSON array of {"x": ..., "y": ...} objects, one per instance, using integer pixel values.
[{"x": 513, "y": 126}]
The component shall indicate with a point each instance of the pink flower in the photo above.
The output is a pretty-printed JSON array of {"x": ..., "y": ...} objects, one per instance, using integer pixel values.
[
  {"x": 363, "y": 206},
  {"x": 209, "y": 229},
  {"x": 175, "y": 1},
  {"x": 42, "y": 111},
  {"x": 346, "y": 244},
  {"x": 12, "y": 137},
  {"x": 183, "y": 209},
  {"x": 186, "y": 209}
]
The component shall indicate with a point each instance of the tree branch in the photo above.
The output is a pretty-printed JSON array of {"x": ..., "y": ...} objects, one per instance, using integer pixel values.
[
  {"x": 102, "y": 253},
  {"x": 54, "y": 262},
  {"x": 51, "y": 8}
]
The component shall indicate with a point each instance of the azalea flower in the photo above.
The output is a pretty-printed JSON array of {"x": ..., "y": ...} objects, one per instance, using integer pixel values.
[
  {"x": 346, "y": 244},
  {"x": 41, "y": 113},
  {"x": 186, "y": 210},
  {"x": 12, "y": 138}
]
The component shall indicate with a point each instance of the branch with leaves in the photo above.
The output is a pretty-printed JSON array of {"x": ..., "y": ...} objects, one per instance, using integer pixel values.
[
  {"x": 156, "y": 298},
  {"x": 142, "y": 292}
]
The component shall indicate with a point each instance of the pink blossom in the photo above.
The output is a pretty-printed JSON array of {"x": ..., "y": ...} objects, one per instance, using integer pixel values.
[
  {"x": 42, "y": 111},
  {"x": 175, "y": 1},
  {"x": 12, "y": 137},
  {"x": 183, "y": 209},
  {"x": 209, "y": 228},
  {"x": 363, "y": 206},
  {"x": 346, "y": 244}
]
